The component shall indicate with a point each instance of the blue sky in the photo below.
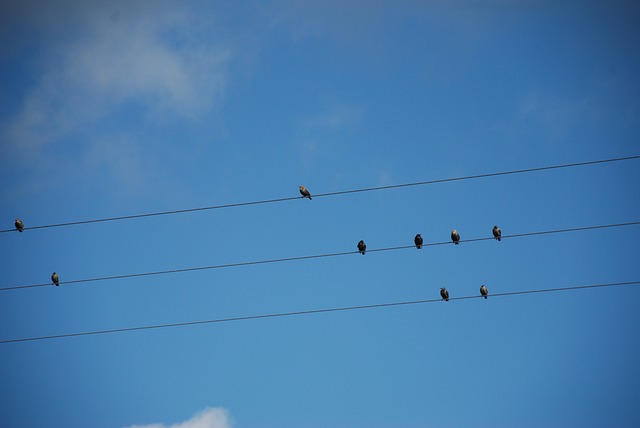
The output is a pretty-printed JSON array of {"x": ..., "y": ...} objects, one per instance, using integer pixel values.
[{"x": 135, "y": 107}]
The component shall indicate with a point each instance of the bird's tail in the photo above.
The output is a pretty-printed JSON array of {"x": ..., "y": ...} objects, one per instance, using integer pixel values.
[
  {"x": 456, "y": 242},
  {"x": 485, "y": 297}
]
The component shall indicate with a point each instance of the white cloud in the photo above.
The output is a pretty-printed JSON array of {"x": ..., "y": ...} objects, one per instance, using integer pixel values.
[
  {"x": 105, "y": 76},
  {"x": 158, "y": 62},
  {"x": 211, "y": 417}
]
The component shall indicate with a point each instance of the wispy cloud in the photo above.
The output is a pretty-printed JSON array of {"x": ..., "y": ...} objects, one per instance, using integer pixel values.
[
  {"x": 211, "y": 417},
  {"x": 155, "y": 62},
  {"x": 106, "y": 73}
]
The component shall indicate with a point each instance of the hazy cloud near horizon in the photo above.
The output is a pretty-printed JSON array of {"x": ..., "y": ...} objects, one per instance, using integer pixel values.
[{"x": 211, "y": 417}]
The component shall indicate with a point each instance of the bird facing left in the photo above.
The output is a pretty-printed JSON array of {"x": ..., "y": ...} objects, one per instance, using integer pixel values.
[{"x": 305, "y": 192}]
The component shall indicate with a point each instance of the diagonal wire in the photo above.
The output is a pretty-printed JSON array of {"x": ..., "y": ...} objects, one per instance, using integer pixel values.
[
  {"x": 309, "y": 312},
  {"x": 342, "y": 192},
  {"x": 317, "y": 256},
  {"x": 486, "y": 175}
]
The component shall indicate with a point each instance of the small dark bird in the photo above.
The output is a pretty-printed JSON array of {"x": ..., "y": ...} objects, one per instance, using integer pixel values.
[
  {"x": 305, "y": 192},
  {"x": 19, "y": 225},
  {"x": 484, "y": 291},
  {"x": 497, "y": 233},
  {"x": 418, "y": 241},
  {"x": 362, "y": 247},
  {"x": 444, "y": 294},
  {"x": 55, "y": 279},
  {"x": 455, "y": 236}
]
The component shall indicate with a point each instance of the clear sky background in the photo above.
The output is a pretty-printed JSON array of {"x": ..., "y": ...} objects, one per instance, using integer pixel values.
[{"x": 118, "y": 108}]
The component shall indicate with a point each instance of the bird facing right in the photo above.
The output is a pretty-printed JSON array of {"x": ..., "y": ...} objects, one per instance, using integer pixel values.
[
  {"x": 19, "y": 225},
  {"x": 55, "y": 279},
  {"x": 444, "y": 294}
]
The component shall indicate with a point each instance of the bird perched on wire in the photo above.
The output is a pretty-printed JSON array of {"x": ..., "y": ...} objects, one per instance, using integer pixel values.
[
  {"x": 444, "y": 294},
  {"x": 455, "y": 236},
  {"x": 497, "y": 233},
  {"x": 362, "y": 247},
  {"x": 305, "y": 192},
  {"x": 19, "y": 225},
  {"x": 55, "y": 279},
  {"x": 484, "y": 291},
  {"x": 418, "y": 241}
]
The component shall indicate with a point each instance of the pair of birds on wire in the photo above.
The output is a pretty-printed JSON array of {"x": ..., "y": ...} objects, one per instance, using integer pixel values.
[
  {"x": 445, "y": 294},
  {"x": 303, "y": 191},
  {"x": 455, "y": 236}
]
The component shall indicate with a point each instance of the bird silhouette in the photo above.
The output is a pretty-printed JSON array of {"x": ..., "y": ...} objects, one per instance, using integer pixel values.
[
  {"x": 305, "y": 192},
  {"x": 444, "y": 294},
  {"x": 497, "y": 233},
  {"x": 55, "y": 279},
  {"x": 418, "y": 241},
  {"x": 19, "y": 225},
  {"x": 362, "y": 247},
  {"x": 455, "y": 236},
  {"x": 484, "y": 291}
]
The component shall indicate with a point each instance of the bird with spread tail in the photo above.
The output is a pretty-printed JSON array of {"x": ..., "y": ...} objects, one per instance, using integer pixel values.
[
  {"x": 497, "y": 233},
  {"x": 455, "y": 236},
  {"x": 484, "y": 291},
  {"x": 444, "y": 294},
  {"x": 418, "y": 241},
  {"x": 19, "y": 225},
  {"x": 362, "y": 247},
  {"x": 55, "y": 279},
  {"x": 305, "y": 192}
]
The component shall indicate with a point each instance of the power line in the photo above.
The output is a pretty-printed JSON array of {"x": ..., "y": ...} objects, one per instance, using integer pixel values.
[
  {"x": 320, "y": 195},
  {"x": 316, "y": 256},
  {"x": 309, "y": 312},
  {"x": 487, "y": 175}
]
